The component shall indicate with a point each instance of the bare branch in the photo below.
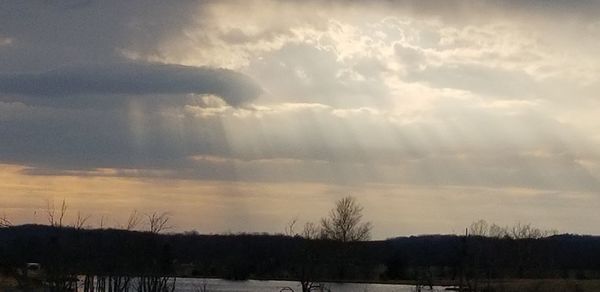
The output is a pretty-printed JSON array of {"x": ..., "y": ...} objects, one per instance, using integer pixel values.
[
  {"x": 134, "y": 220},
  {"x": 158, "y": 222},
  {"x": 102, "y": 221},
  {"x": 63, "y": 211},
  {"x": 311, "y": 231},
  {"x": 290, "y": 226},
  {"x": 4, "y": 222},
  {"x": 497, "y": 231},
  {"x": 517, "y": 231},
  {"x": 50, "y": 212},
  {"x": 344, "y": 222},
  {"x": 81, "y": 220},
  {"x": 479, "y": 228},
  {"x": 55, "y": 218}
]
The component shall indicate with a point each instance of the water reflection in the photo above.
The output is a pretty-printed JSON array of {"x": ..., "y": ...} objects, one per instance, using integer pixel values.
[{"x": 211, "y": 285}]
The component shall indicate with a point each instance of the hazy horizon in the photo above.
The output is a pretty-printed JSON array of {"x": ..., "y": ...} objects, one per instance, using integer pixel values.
[{"x": 237, "y": 116}]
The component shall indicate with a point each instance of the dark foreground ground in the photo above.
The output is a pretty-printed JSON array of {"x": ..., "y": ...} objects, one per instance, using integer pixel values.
[{"x": 7, "y": 284}]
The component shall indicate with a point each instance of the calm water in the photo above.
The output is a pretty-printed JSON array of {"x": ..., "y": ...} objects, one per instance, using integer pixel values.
[{"x": 212, "y": 285}]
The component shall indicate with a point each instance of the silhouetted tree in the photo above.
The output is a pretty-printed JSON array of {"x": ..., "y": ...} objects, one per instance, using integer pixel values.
[
  {"x": 159, "y": 276},
  {"x": 4, "y": 221},
  {"x": 56, "y": 216},
  {"x": 158, "y": 222},
  {"x": 290, "y": 227},
  {"x": 344, "y": 222},
  {"x": 310, "y": 231},
  {"x": 81, "y": 220},
  {"x": 345, "y": 225}
]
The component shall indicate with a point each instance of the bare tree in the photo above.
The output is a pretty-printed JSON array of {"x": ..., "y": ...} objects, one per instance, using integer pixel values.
[
  {"x": 497, "y": 231},
  {"x": 311, "y": 231},
  {"x": 290, "y": 227},
  {"x": 102, "y": 221},
  {"x": 479, "y": 228},
  {"x": 517, "y": 231},
  {"x": 305, "y": 267},
  {"x": 158, "y": 222},
  {"x": 81, "y": 220},
  {"x": 527, "y": 231},
  {"x": 157, "y": 279},
  {"x": 134, "y": 220},
  {"x": 56, "y": 217},
  {"x": 59, "y": 276},
  {"x": 344, "y": 222},
  {"x": 5, "y": 222}
]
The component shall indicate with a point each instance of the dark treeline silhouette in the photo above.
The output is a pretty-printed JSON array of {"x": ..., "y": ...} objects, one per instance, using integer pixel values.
[
  {"x": 109, "y": 252},
  {"x": 338, "y": 249}
]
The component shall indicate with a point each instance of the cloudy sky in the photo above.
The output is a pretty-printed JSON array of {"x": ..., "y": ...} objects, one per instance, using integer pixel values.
[{"x": 240, "y": 115}]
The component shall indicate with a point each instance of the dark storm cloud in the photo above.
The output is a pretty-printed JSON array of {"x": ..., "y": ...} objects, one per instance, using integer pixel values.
[
  {"x": 88, "y": 139},
  {"x": 67, "y": 92},
  {"x": 90, "y": 84},
  {"x": 48, "y": 34}
]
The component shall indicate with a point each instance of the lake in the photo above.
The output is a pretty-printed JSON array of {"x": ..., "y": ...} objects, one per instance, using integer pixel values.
[{"x": 195, "y": 285}]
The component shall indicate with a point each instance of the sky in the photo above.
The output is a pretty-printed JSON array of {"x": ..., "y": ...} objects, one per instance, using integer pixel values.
[{"x": 238, "y": 116}]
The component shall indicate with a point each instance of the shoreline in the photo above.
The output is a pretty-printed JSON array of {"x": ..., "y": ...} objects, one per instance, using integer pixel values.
[{"x": 438, "y": 283}]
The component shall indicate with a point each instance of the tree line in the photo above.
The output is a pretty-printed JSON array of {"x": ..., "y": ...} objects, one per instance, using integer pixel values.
[{"x": 140, "y": 256}]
